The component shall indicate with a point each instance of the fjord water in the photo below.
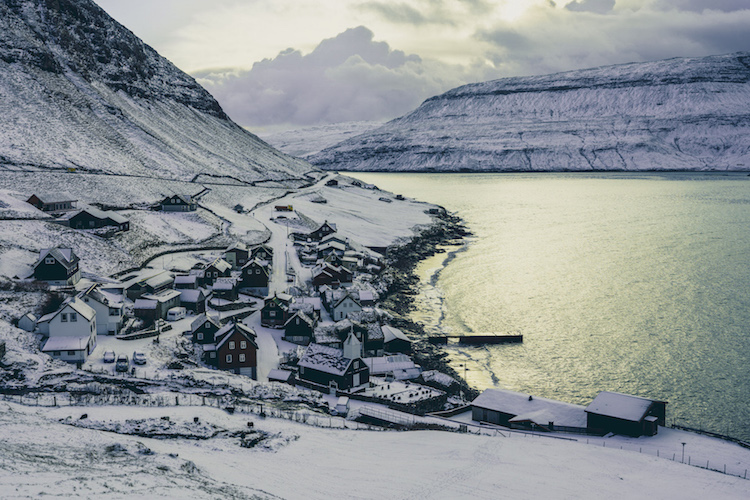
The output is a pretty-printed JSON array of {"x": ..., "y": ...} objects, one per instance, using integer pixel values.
[{"x": 637, "y": 283}]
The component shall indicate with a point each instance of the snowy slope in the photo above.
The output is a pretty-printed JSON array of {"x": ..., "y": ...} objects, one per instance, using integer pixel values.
[
  {"x": 48, "y": 448},
  {"x": 307, "y": 141},
  {"x": 79, "y": 90},
  {"x": 687, "y": 114}
]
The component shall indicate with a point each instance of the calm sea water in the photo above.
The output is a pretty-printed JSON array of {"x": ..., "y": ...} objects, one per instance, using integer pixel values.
[{"x": 637, "y": 283}]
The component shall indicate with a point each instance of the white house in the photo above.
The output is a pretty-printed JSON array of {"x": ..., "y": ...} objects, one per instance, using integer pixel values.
[
  {"x": 71, "y": 331},
  {"x": 108, "y": 310},
  {"x": 344, "y": 306}
]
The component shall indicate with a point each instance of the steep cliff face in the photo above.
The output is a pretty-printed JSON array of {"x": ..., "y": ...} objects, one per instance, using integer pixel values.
[
  {"x": 677, "y": 114},
  {"x": 77, "y": 89}
]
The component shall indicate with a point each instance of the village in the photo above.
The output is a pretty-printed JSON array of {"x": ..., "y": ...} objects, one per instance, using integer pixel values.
[{"x": 300, "y": 308}]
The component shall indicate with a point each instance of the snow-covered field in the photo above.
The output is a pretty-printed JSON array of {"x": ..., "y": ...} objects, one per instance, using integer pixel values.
[{"x": 294, "y": 460}]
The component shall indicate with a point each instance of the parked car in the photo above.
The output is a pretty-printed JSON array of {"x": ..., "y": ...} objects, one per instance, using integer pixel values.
[
  {"x": 139, "y": 358},
  {"x": 176, "y": 313},
  {"x": 109, "y": 356},
  {"x": 122, "y": 364}
]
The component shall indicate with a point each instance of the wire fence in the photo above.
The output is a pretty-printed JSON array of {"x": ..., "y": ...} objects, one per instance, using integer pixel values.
[
  {"x": 227, "y": 403},
  {"x": 676, "y": 456}
]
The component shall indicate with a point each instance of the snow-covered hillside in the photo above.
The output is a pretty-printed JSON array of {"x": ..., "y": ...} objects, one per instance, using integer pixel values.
[
  {"x": 307, "y": 141},
  {"x": 78, "y": 90},
  {"x": 677, "y": 114}
]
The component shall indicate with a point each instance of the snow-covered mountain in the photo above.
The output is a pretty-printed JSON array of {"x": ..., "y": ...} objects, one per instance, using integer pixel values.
[
  {"x": 676, "y": 114},
  {"x": 79, "y": 90}
]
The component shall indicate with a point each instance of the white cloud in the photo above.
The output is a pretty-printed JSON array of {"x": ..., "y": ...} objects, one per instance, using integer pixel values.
[{"x": 346, "y": 78}]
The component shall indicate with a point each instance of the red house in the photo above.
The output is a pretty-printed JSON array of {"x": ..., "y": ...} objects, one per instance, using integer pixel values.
[{"x": 236, "y": 350}]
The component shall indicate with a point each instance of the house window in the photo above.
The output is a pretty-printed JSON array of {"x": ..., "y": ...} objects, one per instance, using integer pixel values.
[
  {"x": 231, "y": 344},
  {"x": 71, "y": 353},
  {"x": 242, "y": 358},
  {"x": 200, "y": 336},
  {"x": 73, "y": 317},
  {"x": 302, "y": 369},
  {"x": 356, "y": 365},
  {"x": 257, "y": 271},
  {"x": 114, "y": 312},
  {"x": 229, "y": 358},
  {"x": 55, "y": 353},
  {"x": 243, "y": 345},
  {"x": 207, "y": 324},
  {"x": 272, "y": 314},
  {"x": 213, "y": 355},
  {"x": 64, "y": 317}
]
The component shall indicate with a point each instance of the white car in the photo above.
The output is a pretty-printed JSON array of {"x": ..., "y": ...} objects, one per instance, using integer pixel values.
[
  {"x": 109, "y": 356},
  {"x": 139, "y": 358}
]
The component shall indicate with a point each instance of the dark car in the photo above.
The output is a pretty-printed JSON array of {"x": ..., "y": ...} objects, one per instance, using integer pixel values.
[
  {"x": 109, "y": 356},
  {"x": 122, "y": 364}
]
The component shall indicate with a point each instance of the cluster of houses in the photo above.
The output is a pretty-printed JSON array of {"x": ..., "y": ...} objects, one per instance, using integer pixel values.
[{"x": 63, "y": 206}]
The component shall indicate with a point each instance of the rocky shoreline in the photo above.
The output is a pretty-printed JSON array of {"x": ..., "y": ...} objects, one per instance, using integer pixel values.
[{"x": 401, "y": 281}]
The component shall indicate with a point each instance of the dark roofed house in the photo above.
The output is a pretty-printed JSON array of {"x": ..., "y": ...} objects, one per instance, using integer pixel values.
[
  {"x": 59, "y": 202},
  {"x": 204, "y": 328},
  {"x": 151, "y": 307},
  {"x": 262, "y": 252},
  {"x": 324, "y": 367},
  {"x": 236, "y": 255},
  {"x": 93, "y": 218},
  {"x": 626, "y": 414},
  {"x": 57, "y": 266},
  {"x": 154, "y": 283},
  {"x": 219, "y": 268},
  {"x": 186, "y": 282},
  {"x": 395, "y": 340},
  {"x": 299, "y": 329},
  {"x": 179, "y": 203},
  {"x": 324, "y": 230},
  {"x": 275, "y": 312},
  {"x": 235, "y": 350},
  {"x": 193, "y": 300},
  {"x": 255, "y": 276},
  {"x": 225, "y": 289}
]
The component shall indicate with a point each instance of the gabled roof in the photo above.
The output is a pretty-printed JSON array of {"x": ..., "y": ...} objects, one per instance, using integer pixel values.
[
  {"x": 64, "y": 256},
  {"x": 256, "y": 262},
  {"x": 283, "y": 299},
  {"x": 388, "y": 364},
  {"x": 622, "y": 406},
  {"x": 185, "y": 198},
  {"x": 94, "y": 293},
  {"x": 325, "y": 359},
  {"x": 267, "y": 248},
  {"x": 343, "y": 297},
  {"x": 145, "y": 304},
  {"x": 226, "y": 332},
  {"x": 304, "y": 317},
  {"x": 192, "y": 296},
  {"x": 224, "y": 284},
  {"x": 97, "y": 214},
  {"x": 53, "y": 197},
  {"x": 201, "y": 319},
  {"x": 332, "y": 244},
  {"x": 390, "y": 333},
  {"x": 238, "y": 245},
  {"x": 185, "y": 280},
  {"x": 332, "y": 237},
  {"x": 74, "y": 303},
  {"x": 220, "y": 264}
]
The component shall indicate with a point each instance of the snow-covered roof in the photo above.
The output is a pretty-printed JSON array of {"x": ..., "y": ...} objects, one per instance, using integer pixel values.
[
  {"x": 54, "y": 197},
  {"x": 64, "y": 256},
  {"x": 388, "y": 364},
  {"x": 159, "y": 280},
  {"x": 97, "y": 214},
  {"x": 366, "y": 296},
  {"x": 220, "y": 265},
  {"x": 301, "y": 315},
  {"x": 517, "y": 403},
  {"x": 618, "y": 405},
  {"x": 325, "y": 359},
  {"x": 390, "y": 333},
  {"x": 145, "y": 304},
  {"x": 224, "y": 284},
  {"x": 185, "y": 280},
  {"x": 201, "y": 319},
  {"x": 66, "y": 343},
  {"x": 226, "y": 332},
  {"x": 280, "y": 375},
  {"x": 191, "y": 296},
  {"x": 163, "y": 296}
]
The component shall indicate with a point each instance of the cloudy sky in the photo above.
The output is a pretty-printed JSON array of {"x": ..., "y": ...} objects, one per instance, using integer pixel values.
[{"x": 276, "y": 64}]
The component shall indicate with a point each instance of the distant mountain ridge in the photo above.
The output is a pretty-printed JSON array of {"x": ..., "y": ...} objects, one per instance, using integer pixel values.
[
  {"x": 676, "y": 114},
  {"x": 79, "y": 90}
]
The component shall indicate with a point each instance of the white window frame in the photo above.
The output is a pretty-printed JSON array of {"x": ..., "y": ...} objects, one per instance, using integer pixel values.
[
  {"x": 229, "y": 358},
  {"x": 242, "y": 358}
]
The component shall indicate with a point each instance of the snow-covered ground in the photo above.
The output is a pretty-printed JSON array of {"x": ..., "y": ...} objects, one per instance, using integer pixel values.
[{"x": 43, "y": 452}]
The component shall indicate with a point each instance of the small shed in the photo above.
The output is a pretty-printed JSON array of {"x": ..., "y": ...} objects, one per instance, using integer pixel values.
[
  {"x": 27, "y": 322},
  {"x": 395, "y": 340}
]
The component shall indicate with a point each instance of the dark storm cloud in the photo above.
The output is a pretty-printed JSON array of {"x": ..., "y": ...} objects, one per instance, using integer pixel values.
[
  {"x": 595, "y": 6},
  {"x": 346, "y": 78}
]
